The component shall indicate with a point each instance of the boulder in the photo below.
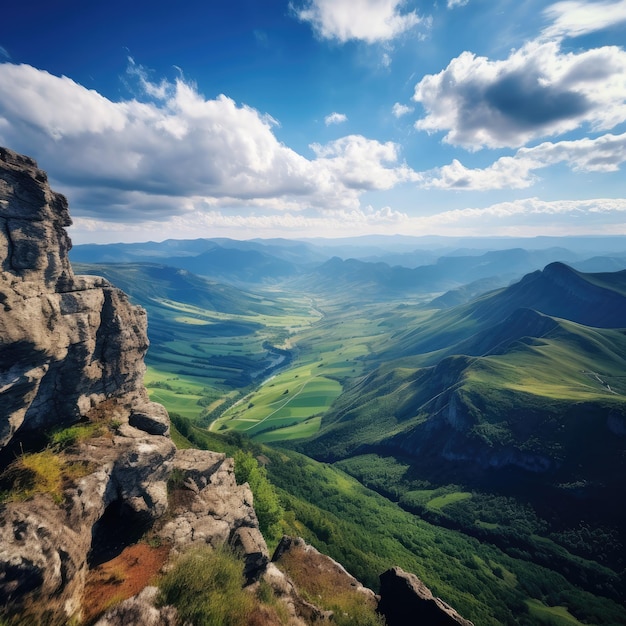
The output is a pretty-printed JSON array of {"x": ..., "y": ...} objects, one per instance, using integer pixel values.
[
  {"x": 140, "y": 610},
  {"x": 405, "y": 599}
]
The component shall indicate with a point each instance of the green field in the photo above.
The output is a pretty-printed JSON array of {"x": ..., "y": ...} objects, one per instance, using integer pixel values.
[{"x": 285, "y": 407}]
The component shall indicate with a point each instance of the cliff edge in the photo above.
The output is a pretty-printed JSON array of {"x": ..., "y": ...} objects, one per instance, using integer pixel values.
[{"x": 85, "y": 456}]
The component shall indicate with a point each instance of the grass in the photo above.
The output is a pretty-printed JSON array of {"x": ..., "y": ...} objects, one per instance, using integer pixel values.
[
  {"x": 438, "y": 503},
  {"x": 553, "y": 615},
  {"x": 206, "y": 586},
  {"x": 283, "y": 408},
  {"x": 46, "y": 472},
  {"x": 320, "y": 584},
  {"x": 50, "y": 469}
]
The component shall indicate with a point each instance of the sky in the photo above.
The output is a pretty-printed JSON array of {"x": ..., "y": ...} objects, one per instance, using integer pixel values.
[{"x": 321, "y": 118}]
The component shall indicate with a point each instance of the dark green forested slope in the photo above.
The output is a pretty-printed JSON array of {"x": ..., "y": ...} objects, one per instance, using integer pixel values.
[{"x": 368, "y": 533}]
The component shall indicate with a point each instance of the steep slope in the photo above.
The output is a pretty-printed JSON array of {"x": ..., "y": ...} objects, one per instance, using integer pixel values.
[
  {"x": 597, "y": 300},
  {"x": 533, "y": 391}
]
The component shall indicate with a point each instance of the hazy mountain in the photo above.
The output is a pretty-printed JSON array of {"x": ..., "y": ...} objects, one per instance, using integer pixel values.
[
  {"x": 464, "y": 294},
  {"x": 601, "y": 264},
  {"x": 149, "y": 283},
  {"x": 379, "y": 280}
]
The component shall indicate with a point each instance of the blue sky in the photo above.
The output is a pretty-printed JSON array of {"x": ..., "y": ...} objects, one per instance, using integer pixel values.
[{"x": 322, "y": 117}]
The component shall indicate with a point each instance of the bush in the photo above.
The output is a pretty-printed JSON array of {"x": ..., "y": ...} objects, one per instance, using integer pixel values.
[
  {"x": 266, "y": 502},
  {"x": 206, "y": 586}
]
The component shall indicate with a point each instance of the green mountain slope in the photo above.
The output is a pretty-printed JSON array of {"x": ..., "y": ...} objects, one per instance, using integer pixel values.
[
  {"x": 532, "y": 391},
  {"x": 368, "y": 533},
  {"x": 512, "y": 402},
  {"x": 597, "y": 300}
]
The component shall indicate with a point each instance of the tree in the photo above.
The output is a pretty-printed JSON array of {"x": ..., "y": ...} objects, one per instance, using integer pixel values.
[{"x": 266, "y": 502}]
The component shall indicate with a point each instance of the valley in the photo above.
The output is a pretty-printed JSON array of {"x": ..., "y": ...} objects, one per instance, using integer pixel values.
[{"x": 473, "y": 434}]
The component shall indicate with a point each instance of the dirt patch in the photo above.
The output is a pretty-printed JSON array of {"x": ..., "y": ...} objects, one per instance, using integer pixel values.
[{"x": 122, "y": 577}]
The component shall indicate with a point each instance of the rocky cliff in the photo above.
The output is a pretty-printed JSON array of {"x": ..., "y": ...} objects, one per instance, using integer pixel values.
[
  {"x": 87, "y": 466},
  {"x": 67, "y": 342},
  {"x": 71, "y": 353}
]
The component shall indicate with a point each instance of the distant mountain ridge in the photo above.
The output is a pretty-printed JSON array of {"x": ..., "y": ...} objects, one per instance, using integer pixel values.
[{"x": 370, "y": 268}]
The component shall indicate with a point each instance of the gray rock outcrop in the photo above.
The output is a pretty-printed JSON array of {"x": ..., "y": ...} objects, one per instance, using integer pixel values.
[
  {"x": 208, "y": 506},
  {"x": 405, "y": 599},
  {"x": 66, "y": 342},
  {"x": 140, "y": 610}
]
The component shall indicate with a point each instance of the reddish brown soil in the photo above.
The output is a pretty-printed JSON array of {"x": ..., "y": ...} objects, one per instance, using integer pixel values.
[{"x": 122, "y": 577}]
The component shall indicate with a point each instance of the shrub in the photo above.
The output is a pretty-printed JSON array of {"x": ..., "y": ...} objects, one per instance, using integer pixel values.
[
  {"x": 266, "y": 502},
  {"x": 206, "y": 586}
]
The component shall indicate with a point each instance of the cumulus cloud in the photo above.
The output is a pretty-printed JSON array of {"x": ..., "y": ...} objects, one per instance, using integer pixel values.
[
  {"x": 360, "y": 163},
  {"x": 335, "y": 118},
  {"x": 537, "y": 91},
  {"x": 603, "y": 154},
  {"x": 456, "y": 3},
  {"x": 365, "y": 20},
  {"x": 174, "y": 150},
  {"x": 401, "y": 109},
  {"x": 573, "y": 18}
]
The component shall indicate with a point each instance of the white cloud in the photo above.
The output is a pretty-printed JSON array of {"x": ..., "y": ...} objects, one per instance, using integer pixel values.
[
  {"x": 335, "y": 118},
  {"x": 242, "y": 225},
  {"x": 365, "y": 20},
  {"x": 401, "y": 109},
  {"x": 532, "y": 214},
  {"x": 177, "y": 151},
  {"x": 537, "y": 91},
  {"x": 361, "y": 163},
  {"x": 456, "y": 3},
  {"x": 525, "y": 217},
  {"x": 4, "y": 53},
  {"x": 573, "y": 18},
  {"x": 603, "y": 154}
]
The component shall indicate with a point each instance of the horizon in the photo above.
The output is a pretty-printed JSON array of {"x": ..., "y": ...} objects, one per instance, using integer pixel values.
[{"x": 309, "y": 118}]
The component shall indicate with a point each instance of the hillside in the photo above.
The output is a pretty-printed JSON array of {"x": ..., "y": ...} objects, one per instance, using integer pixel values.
[
  {"x": 523, "y": 349},
  {"x": 597, "y": 300},
  {"x": 491, "y": 400},
  {"x": 148, "y": 283}
]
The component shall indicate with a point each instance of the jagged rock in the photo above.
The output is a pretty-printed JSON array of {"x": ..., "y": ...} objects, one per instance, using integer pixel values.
[
  {"x": 70, "y": 347},
  {"x": 405, "y": 599},
  {"x": 67, "y": 342},
  {"x": 140, "y": 610},
  {"x": 209, "y": 507},
  {"x": 44, "y": 548}
]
